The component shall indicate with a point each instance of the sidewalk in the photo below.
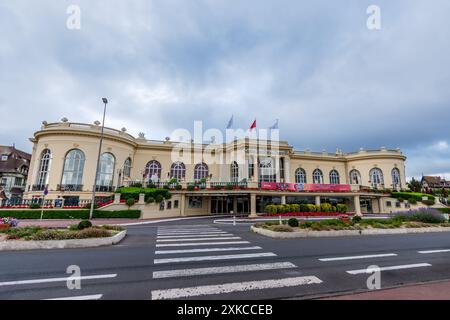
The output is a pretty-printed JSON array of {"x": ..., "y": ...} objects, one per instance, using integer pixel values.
[
  {"x": 54, "y": 223},
  {"x": 426, "y": 291}
]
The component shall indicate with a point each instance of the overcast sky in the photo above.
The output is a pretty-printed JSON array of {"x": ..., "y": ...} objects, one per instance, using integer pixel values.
[{"x": 314, "y": 65}]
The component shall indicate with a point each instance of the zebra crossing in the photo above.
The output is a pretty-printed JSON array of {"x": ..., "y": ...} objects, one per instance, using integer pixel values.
[{"x": 173, "y": 243}]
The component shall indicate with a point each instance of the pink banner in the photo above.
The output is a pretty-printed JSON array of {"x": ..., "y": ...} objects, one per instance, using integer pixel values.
[{"x": 305, "y": 187}]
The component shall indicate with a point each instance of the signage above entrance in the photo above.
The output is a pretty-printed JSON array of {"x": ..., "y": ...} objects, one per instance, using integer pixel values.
[{"x": 305, "y": 187}]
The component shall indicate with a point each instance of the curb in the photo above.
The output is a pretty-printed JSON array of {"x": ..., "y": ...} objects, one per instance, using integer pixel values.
[
  {"x": 17, "y": 245},
  {"x": 343, "y": 233}
]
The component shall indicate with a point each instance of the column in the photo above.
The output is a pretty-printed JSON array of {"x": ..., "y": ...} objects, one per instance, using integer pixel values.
[
  {"x": 183, "y": 205},
  {"x": 235, "y": 204},
  {"x": 287, "y": 170},
  {"x": 117, "y": 198},
  {"x": 253, "y": 206},
  {"x": 277, "y": 169},
  {"x": 380, "y": 205},
  {"x": 283, "y": 199},
  {"x": 357, "y": 206},
  {"x": 141, "y": 198},
  {"x": 317, "y": 200}
]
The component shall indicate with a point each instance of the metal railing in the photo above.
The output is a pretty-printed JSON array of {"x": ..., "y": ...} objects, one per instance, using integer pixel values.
[{"x": 70, "y": 187}]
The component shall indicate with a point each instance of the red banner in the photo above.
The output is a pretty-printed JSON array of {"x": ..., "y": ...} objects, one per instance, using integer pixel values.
[{"x": 305, "y": 187}]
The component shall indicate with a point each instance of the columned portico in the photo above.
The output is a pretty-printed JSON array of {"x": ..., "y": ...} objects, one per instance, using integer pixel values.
[
  {"x": 357, "y": 205},
  {"x": 317, "y": 200},
  {"x": 253, "y": 206}
]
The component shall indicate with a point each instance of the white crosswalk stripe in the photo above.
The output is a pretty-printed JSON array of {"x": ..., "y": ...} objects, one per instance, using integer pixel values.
[
  {"x": 232, "y": 287},
  {"x": 206, "y": 250},
  {"x": 400, "y": 267},
  {"x": 200, "y": 240}
]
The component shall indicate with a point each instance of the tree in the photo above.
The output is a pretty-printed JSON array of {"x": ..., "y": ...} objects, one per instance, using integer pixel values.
[{"x": 414, "y": 185}]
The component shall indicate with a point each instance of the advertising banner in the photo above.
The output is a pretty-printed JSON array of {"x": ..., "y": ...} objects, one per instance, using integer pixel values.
[{"x": 305, "y": 187}]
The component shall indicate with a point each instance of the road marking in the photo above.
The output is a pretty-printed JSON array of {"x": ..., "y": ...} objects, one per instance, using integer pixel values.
[
  {"x": 434, "y": 251},
  {"x": 34, "y": 281},
  {"x": 91, "y": 297},
  {"x": 206, "y": 250},
  {"x": 188, "y": 233},
  {"x": 197, "y": 239},
  {"x": 359, "y": 257},
  {"x": 197, "y": 235},
  {"x": 212, "y": 258},
  {"x": 220, "y": 270},
  {"x": 232, "y": 287},
  {"x": 160, "y": 245},
  {"x": 405, "y": 266},
  {"x": 188, "y": 229}
]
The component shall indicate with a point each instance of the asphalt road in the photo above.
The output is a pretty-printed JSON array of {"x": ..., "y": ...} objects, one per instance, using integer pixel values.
[{"x": 197, "y": 259}]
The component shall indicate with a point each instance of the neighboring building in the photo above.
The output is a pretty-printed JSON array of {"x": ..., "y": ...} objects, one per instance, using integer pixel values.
[
  {"x": 14, "y": 165},
  {"x": 433, "y": 182},
  {"x": 64, "y": 160}
]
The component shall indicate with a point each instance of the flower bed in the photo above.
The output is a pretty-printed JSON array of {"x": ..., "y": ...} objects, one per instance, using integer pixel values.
[{"x": 308, "y": 214}]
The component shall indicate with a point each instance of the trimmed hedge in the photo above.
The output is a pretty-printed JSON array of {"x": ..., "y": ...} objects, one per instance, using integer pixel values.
[
  {"x": 69, "y": 214},
  {"x": 291, "y": 208},
  {"x": 126, "y": 193},
  {"x": 413, "y": 195}
]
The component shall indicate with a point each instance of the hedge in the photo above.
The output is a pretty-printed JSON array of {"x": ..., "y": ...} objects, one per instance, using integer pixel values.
[
  {"x": 69, "y": 214},
  {"x": 412, "y": 195},
  {"x": 444, "y": 210},
  {"x": 126, "y": 193},
  {"x": 291, "y": 208}
]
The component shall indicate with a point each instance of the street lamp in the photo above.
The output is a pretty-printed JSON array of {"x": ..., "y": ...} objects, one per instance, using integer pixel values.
[{"x": 105, "y": 101}]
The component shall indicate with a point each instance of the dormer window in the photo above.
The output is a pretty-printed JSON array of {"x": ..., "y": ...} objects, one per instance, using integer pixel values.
[{"x": 4, "y": 157}]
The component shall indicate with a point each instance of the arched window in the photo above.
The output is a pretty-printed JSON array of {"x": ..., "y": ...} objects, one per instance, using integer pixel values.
[
  {"x": 267, "y": 170},
  {"x": 334, "y": 177},
  {"x": 200, "y": 171},
  {"x": 317, "y": 176},
  {"x": 73, "y": 168},
  {"x": 234, "y": 174},
  {"x": 376, "y": 177},
  {"x": 153, "y": 171},
  {"x": 44, "y": 168},
  {"x": 355, "y": 177},
  {"x": 396, "y": 181},
  {"x": 106, "y": 170},
  {"x": 300, "y": 176},
  {"x": 178, "y": 171},
  {"x": 127, "y": 168}
]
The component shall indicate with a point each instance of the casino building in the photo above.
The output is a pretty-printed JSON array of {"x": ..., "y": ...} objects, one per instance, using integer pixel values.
[{"x": 65, "y": 153}]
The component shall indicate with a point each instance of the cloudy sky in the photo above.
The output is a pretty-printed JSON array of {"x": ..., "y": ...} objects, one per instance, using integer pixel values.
[{"x": 314, "y": 65}]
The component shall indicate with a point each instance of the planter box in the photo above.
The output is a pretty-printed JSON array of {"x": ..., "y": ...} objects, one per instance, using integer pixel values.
[{"x": 4, "y": 226}]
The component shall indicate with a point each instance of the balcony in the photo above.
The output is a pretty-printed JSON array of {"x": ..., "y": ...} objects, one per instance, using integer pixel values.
[
  {"x": 70, "y": 187},
  {"x": 38, "y": 187},
  {"x": 105, "y": 188}
]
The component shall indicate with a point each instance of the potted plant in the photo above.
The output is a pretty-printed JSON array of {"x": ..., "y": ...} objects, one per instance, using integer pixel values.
[{"x": 7, "y": 223}]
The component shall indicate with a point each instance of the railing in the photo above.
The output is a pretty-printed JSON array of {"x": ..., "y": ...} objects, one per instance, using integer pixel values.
[
  {"x": 38, "y": 187},
  {"x": 105, "y": 188},
  {"x": 233, "y": 185},
  {"x": 70, "y": 187}
]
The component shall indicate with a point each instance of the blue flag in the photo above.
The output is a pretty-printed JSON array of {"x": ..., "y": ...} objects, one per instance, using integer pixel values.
[
  {"x": 230, "y": 122},
  {"x": 275, "y": 125}
]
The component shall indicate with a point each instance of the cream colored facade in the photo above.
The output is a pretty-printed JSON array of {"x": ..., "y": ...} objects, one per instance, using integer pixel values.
[{"x": 55, "y": 141}]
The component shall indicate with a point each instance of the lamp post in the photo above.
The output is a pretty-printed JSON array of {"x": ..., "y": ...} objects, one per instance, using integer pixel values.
[{"x": 105, "y": 101}]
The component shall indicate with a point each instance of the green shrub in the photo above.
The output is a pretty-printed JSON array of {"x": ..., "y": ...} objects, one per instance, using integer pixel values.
[
  {"x": 136, "y": 185},
  {"x": 356, "y": 219},
  {"x": 292, "y": 222},
  {"x": 149, "y": 199},
  {"x": 69, "y": 214},
  {"x": 84, "y": 224},
  {"x": 326, "y": 207},
  {"x": 295, "y": 207},
  {"x": 412, "y": 200},
  {"x": 130, "y": 202},
  {"x": 190, "y": 188},
  {"x": 304, "y": 207},
  {"x": 312, "y": 208},
  {"x": 34, "y": 206},
  {"x": 281, "y": 228},
  {"x": 428, "y": 202},
  {"x": 178, "y": 187},
  {"x": 341, "y": 208},
  {"x": 271, "y": 208}
]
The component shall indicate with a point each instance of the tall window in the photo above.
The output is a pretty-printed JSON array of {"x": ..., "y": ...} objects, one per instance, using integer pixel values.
[
  {"x": 300, "y": 176},
  {"x": 234, "y": 174},
  {"x": 44, "y": 168},
  {"x": 106, "y": 170},
  {"x": 334, "y": 177},
  {"x": 355, "y": 177},
  {"x": 200, "y": 171},
  {"x": 317, "y": 176},
  {"x": 267, "y": 170},
  {"x": 127, "y": 168},
  {"x": 73, "y": 168},
  {"x": 251, "y": 168},
  {"x": 396, "y": 182},
  {"x": 153, "y": 170},
  {"x": 376, "y": 177},
  {"x": 178, "y": 171}
]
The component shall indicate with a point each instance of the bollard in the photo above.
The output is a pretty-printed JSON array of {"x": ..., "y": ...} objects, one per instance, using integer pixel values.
[
  {"x": 234, "y": 220},
  {"x": 280, "y": 219}
]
